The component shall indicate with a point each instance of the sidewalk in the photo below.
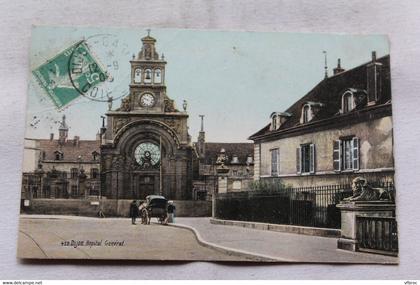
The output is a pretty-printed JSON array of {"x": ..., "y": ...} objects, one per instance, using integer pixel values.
[{"x": 277, "y": 245}]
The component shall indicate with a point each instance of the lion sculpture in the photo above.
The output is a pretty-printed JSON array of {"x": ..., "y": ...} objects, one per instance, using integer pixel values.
[{"x": 362, "y": 191}]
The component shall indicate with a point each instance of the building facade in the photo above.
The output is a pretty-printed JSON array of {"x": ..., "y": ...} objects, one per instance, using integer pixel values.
[
  {"x": 340, "y": 130},
  {"x": 222, "y": 167},
  {"x": 146, "y": 148},
  {"x": 62, "y": 167}
]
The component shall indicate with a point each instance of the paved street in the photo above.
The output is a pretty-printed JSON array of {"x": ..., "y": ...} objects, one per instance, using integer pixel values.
[
  {"x": 112, "y": 238},
  {"x": 282, "y": 246},
  {"x": 115, "y": 238}
]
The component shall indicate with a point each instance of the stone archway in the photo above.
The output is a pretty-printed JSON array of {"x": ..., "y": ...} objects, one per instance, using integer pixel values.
[{"x": 170, "y": 177}]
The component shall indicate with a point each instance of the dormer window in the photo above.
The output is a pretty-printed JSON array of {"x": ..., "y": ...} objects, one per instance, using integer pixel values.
[
  {"x": 277, "y": 119},
  {"x": 348, "y": 103},
  {"x": 306, "y": 116},
  {"x": 58, "y": 155},
  {"x": 274, "y": 122},
  {"x": 235, "y": 159},
  {"x": 249, "y": 160},
  {"x": 95, "y": 155},
  {"x": 309, "y": 110}
]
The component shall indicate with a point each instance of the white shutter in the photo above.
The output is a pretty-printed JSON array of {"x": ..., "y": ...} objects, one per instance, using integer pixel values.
[
  {"x": 337, "y": 155},
  {"x": 356, "y": 159},
  {"x": 298, "y": 160},
  {"x": 312, "y": 158}
]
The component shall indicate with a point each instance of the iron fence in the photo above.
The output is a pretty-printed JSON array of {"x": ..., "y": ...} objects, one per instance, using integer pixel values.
[
  {"x": 377, "y": 234},
  {"x": 304, "y": 206}
]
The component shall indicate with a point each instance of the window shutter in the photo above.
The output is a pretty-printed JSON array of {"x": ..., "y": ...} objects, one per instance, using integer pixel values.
[
  {"x": 356, "y": 159},
  {"x": 312, "y": 158},
  {"x": 337, "y": 155},
  {"x": 298, "y": 160}
]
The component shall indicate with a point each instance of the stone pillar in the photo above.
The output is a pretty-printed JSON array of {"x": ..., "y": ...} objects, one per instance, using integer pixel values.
[
  {"x": 222, "y": 173},
  {"x": 213, "y": 205},
  {"x": 351, "y": 210}
]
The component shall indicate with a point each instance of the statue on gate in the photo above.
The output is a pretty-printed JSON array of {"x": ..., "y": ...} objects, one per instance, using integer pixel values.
[{"x": 362, "y": 191}]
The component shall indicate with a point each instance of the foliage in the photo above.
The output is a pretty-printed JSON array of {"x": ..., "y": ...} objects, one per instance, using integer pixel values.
[{"x": 267, "y": 185}]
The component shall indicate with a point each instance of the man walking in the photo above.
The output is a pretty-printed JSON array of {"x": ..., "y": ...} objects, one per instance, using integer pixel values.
[{"x": 134, "y": 212}]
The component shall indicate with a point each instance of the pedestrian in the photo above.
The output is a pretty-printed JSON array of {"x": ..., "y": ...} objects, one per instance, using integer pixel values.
[
  {"x": 144, "y": 213},
  {"x": 134, "y": 212},
  {"x": 171, "y": 212}
]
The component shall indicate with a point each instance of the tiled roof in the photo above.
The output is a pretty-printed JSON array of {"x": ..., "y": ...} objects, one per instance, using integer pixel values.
[
  {"x": 242, "y": 150},
  {"x": 329, "y": 92},
  {"x": 70, "y": 150}
]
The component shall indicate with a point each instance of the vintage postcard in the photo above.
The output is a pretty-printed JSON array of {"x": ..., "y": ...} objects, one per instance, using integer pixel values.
[{"x": 167, "y": 144}]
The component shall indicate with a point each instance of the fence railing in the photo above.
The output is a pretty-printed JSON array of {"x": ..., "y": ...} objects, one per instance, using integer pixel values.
[
  {"x": 377, "y": 234},
  {"x": 304, "y": 206}
]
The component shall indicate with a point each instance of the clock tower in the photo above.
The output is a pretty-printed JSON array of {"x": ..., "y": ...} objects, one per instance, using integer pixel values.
[
  {"x": 146, "y": 148},
  {"x": 147, "y": 86}
]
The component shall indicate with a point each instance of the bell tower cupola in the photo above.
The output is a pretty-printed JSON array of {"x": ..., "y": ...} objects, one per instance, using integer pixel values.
[{"x": 147, "y": 87}]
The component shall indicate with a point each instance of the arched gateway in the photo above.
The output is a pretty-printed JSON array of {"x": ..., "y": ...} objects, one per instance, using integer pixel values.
[{"x": 146, "y": 147}]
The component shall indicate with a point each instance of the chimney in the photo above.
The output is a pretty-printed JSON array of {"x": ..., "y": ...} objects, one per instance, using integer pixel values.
[
  {"x": 76, "y": 140},
  {"x": 374, "y": 82},
  {"x": 51, "y": 136},
  {"x": 338, "y": 69}
]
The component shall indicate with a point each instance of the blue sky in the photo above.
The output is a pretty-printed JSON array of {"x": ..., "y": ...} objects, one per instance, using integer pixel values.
[{"x": 236, "y": 79}]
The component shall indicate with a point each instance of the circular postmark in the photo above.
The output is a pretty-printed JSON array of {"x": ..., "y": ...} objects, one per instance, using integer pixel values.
[{"x": 97, "y": 68}]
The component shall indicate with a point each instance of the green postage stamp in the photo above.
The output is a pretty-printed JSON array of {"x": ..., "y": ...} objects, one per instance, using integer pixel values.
[{"x": 69, "y": 74}]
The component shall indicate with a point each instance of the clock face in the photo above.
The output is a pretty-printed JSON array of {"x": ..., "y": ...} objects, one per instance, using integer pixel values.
[
  {"x": 147, "y": 153},
  {"x": 147, "y": 100}
]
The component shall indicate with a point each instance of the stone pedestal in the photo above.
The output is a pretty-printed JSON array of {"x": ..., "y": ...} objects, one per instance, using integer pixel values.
[{"x": 351, "y": 210}]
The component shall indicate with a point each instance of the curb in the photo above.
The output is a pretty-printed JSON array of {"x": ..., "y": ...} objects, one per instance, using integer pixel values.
[
  {"x": 302, "y": 230},
  {"x": 227, "y": 250}
]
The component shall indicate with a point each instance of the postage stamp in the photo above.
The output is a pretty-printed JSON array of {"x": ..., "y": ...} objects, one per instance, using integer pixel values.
[{"x": 69, "y": 74}]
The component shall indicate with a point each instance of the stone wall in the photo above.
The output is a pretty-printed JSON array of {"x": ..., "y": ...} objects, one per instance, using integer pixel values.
[
  {"x": 375, "y": 153},
  {"x": 110, "y": 207}
]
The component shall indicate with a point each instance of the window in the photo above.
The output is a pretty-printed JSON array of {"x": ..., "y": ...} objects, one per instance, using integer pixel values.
[
  {"x": 59, "y": 155},
  {"x": 274, "y": 123},
  {"x": 158, "y": 76},
  {"x": 74, "y": 191},
  {"x": 346, "y": 154},
  {"x": 275, "y": 162},
  {"x": 305, "y": 159},
  {"x": 237, "y": 185},
  {"x": 94, "y": 173},
  {"x": 95, "y": 155},
  {"x": 235, "y": 159},
  {"x": 137, "y": 75},
  {"x": 306, "y": 114},
  {"x": 148, "y": 76},
  {"x": 74, "y": 172},
  {"x": 249, "y": 160},
  {"x": 347, "y": 102}
]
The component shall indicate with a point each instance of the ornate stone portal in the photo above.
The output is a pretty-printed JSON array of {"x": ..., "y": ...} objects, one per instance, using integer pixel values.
[{"x": 146, "y": 148}]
